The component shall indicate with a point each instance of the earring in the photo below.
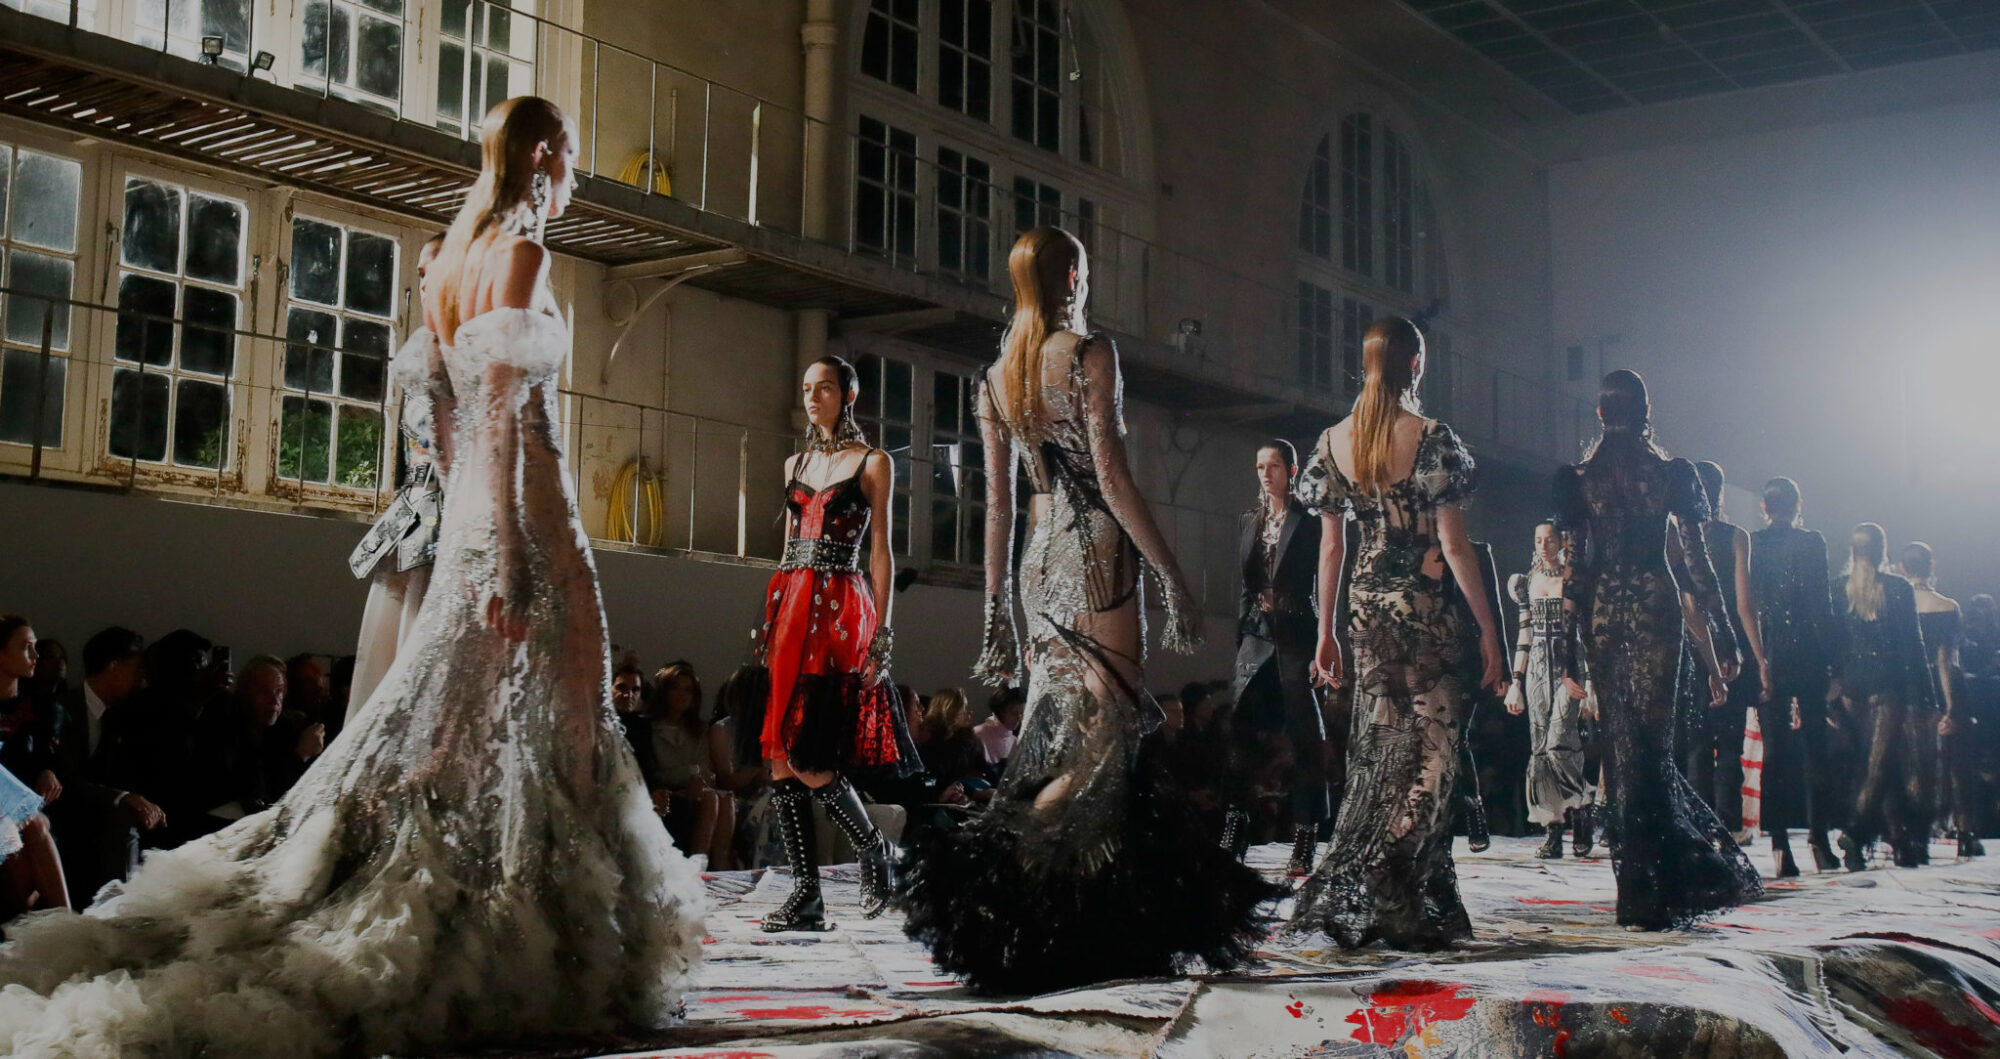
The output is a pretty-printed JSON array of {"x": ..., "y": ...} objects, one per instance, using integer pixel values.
[{"x": 538, "y": 190}]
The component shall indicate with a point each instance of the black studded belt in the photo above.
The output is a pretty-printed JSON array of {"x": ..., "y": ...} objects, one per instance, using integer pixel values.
[{"x": 818, "y": 553}]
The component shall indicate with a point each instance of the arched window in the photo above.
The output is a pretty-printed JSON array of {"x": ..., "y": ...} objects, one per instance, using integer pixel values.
[{"x": 1368, "y": 247}]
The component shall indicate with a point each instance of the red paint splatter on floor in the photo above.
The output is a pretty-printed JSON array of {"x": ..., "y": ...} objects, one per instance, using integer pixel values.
[
  {"x": 1983, "y": 1008},
  {"x": 1400, "y": 1009},
  {"x": 811, "y": 1013},
  {"x": 1654, "y": 970},
  {"x": 1545, "y": 996},
  {"x": 1297, "y": 1008},
  {"x": 1546, "y": 901},
  {"x": 1619, "y": 1015},
  {"x": 1932, "y": 1030}
]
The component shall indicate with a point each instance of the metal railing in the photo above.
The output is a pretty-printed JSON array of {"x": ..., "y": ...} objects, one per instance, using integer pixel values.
[{"x": 720, "y": 488}]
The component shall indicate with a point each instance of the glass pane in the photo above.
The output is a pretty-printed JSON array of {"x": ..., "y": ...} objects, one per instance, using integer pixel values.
[
  {"x": 304, "y": 426},
  {"x": 451, "y": 83},
  {"x": 896, "y": 385},
  {"x": 315, "y": 261},
  {"x": 215, "y": 239},
  {"x": 307, "y": 368},
  {"x": 496, "y": 84},
  {"x": 228, "y": 19},
  {"x": 869, "y": 405},
  {"x": 974, "y": 551},
  {"x": 138, "y": 416},
  {"x": 152, "y": 226},
  {"x": 152, "y": 339},
  {"x": 454, "y": 18},
  {"x": 38, "y": 274},
  {"x": 944, "y": 402},
  {"x": 312, "y": 41},
  {"x": 944, "y": 468},
  {"x": 45, "y": 198},
  {"x": 211, "y": 352},
  {"x": 6, "y": 172},
  {"x": 364, "y": 359},
  {"x": 19, "y": 378},
  {"x": 371, "y": 273},
  {"x": 201, "y": 415},
  {"x": 379, "y": 66},
  {"x": 340, "y": 43},
  {"x": 896, "y": 441},
  {"x": 387, "y": 7},
  {"x": 944, "y": 531},
  {"x": 360, "y": 447},
  {"x": 499, "y": 28}
]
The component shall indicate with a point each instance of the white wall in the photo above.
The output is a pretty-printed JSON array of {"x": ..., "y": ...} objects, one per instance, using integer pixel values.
[
  {"x": 1771, "y": 286},
  {"x": 81, "y": 559}
]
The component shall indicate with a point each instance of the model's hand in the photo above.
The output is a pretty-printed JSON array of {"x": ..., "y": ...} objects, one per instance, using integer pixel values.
[
  {"x": 1514, "y": 704},
  {"x": 1590, "y": 709},
  {"x": 312, "y": 742},
  {"x": 1945, "y": 725},
  {"x": 142, "y": 813},
  {"x": 1326, "y": 663},
  {"x": 48, "y": 786},
  {"x": 1718, "y": 690},
  {"x": 1575, "y": 690},
  {"x": 1729, "y": 667},
  {"x": 1493, "y": 662}
]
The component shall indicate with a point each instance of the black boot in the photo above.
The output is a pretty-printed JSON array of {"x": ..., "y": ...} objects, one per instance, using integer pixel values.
[
  {"x": 1781, "y": 850},
  {"x": 878, "y": 873},
  {"x": 1478, "y": 836},
  {"x": 1552, "y": 847},
  {"x": 1823, "y": 858},
  {"x": 804, "y": 910},
  {"x": 1969, "y": 845},
  {"x": 1305, "y": 844},
  {"x": 1236, "y": 833},
  {"x": 1582, "y": 823}
]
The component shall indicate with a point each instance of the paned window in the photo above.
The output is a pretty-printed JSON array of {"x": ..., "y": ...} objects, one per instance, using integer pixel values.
[
  {"x": 1036, "y": 44},
  {"x": 483, "y": 55},
  {"x": 957, "y": 473},
  {"x": 889, "y": 43},
  {"x": 1315, "y": 336},
  {"x": 887, "y": 412},
  {"x": 39, "y": 196},
  {"x": 1355, "y": 316},
  {"x": 1399, "y": 208},
  {"x": 885, "y": 193},
  {"x": 180, "y": 292},
  {"x": 356, "y": 48},
  {"x": 965, "y": 209},
  {"x": 1357, "y": 194},
  {"x": 1316, "y": 207},
  {"x": 1035, "y": 204},
  {"x": 340, "y": 293},
  {"x": 965, "y": 57},
  {"x": 177, "y": 26}
]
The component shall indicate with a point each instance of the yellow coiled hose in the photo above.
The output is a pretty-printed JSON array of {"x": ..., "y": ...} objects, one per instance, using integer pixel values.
[
  {"x": 634, "y": 173},
  {"x": 636, "y": 499}
]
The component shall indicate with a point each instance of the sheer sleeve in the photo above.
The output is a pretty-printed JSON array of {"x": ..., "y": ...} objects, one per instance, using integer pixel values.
[
  {"x": 1689, "y": 505},
  {"x": 1102, "y": 389},
  {"x": 1446, "y": 468},
  {"x": 1579, "y": 588},
  {"x": 1320, "y": 486},
  {"x": 1000, "y": 654},
  {"x": 514, "y": 350}
]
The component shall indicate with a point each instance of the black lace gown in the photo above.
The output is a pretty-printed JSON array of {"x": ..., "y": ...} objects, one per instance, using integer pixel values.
[
  {"x": 1389, "y": 875},
  {"x": 1672, "y": 856},
  {"x": 1891, "y": 712}
]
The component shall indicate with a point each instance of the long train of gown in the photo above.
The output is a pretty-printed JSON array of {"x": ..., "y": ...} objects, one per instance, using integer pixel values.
[
  {"x": 474, "y": 858},
  {"x": 1089, "y": 863},
  {"x": 1673, "y": 857}
]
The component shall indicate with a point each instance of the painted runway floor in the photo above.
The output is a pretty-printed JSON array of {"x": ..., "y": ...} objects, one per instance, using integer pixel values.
[{"x": 1885, "y": 962}]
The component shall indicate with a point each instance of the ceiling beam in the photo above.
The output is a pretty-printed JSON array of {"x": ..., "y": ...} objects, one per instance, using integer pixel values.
[{"x": 674, "y": 266}]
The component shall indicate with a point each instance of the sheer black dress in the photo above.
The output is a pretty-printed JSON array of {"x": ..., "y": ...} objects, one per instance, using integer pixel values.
[
  {"x": 1673, "y": 858},
  {"x": 1880, "y": 663},
  {"x": 1787, "y": 569}
]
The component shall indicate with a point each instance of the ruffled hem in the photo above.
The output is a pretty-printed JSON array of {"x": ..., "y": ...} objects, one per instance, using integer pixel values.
[
  {"x": 528, "y": 339},
  {"x": 1001, "y": 907},
  {"x": 837, "y": 722},
  {"x": 410, "y": 368}
]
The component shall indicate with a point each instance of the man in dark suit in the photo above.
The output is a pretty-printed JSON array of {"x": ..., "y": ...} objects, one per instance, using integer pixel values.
[
  {"x": 1276, "y": 632},
  {"x": 95, "y": 821},
  {"x": 151, "y": 742}
]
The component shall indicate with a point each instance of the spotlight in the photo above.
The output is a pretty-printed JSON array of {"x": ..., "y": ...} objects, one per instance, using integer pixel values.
[
  {"x": 211, "y": 49},
  {"x": 263, "y": 61}
]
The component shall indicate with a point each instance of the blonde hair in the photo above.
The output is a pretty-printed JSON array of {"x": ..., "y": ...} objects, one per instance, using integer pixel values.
[
  {"x": 1389, "y": 352},
  {"x": 1869, "y": 548},
  {"x": 502, "y": 194},
  {"x": 1040, "y": 266},
  {"x": 947, "y": 709}
]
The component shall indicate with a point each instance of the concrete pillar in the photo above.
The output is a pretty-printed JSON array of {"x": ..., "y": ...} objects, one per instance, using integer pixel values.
[
  {"x": 818, "y": 33},
  {"x": 813, "y": 326}
]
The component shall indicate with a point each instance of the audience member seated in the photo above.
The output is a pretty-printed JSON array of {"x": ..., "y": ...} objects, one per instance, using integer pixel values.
[
  {"x": 97, "y": 824},
  {"x": 309, "y": 693},
  {"x": 31, "y": 875},
  {"x": 628, "y": 699},
  {"x": 701, "y": 818},
  {"x": 152, "y": 741},
  {"x": 253, "y": 751},
  {"x": 745, "y": 688},
  {"x": 996, "y": 734},
  {"x": 28, "y": 722},
  {"x": 952, "y": 753},
  {"x": 51, "y": 681}
]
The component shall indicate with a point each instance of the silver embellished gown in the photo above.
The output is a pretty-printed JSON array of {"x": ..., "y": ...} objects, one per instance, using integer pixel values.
[
  {"x": 474, "y": 859},
  {"x": 1389, "y": 875},
  {"x": 1557, "y": 778},
  {"x": 1089, "y": 864}
]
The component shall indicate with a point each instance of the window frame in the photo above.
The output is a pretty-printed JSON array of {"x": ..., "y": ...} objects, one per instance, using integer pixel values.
[{"x": 77, "y": 330}]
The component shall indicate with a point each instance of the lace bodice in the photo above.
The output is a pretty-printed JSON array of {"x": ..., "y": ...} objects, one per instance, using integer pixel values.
[
  {"x": 839, "y": 512},
  {"x": 1399, "y": 538}
]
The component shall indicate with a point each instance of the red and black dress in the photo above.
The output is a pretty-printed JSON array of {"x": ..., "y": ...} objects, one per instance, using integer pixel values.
[{"x": 819, "y": 618}]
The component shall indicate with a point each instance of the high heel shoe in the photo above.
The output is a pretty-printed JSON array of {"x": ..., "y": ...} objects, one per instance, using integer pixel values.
[
  {"x": 1552, "y": 846},
  {"x": 1850, "y": 854},
  {"x": 1822, "y": 854},
  {"x": 1782, "y": 853},
  {"x": 1236, "y": 833},
  {"x": 1305, "y": 845},
  {"x": 1969, "y": 845}
]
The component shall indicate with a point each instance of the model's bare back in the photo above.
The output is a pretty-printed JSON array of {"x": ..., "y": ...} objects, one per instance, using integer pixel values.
[{"x": 1405, "y": 436}]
